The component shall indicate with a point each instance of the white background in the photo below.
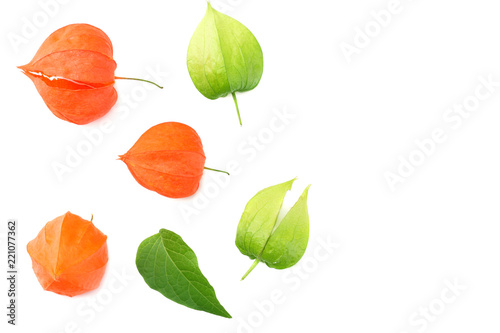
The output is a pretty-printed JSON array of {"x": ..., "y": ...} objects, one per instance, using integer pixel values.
[{"x": 352, "y": 122}]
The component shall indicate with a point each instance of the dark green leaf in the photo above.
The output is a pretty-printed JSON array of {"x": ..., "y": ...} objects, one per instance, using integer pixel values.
[{"x": 169, "y": 266}]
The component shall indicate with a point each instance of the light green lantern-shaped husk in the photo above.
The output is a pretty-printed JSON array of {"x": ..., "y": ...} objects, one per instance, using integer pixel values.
[
  {"x": 260, "y": 236},
  {"x": 224, "y": 57}
]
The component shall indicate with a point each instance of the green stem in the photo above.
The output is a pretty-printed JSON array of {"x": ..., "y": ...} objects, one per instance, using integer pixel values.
[
  {"x": 133, "y": 78},
  {"x": 217, "y": 170},
  {"x": 237, "y": 108},
  {"x": 250, "y": 269}
]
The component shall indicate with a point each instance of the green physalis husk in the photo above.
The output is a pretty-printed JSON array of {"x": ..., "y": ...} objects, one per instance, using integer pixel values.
[
  {"x": 224, "y": 57},
  {"x": 261, "y": 237}
]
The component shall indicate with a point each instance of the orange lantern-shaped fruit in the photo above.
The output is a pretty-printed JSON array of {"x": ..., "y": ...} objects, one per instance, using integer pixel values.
[
  {"x": 69, "y": 255},
  {"x": 168, "y": 159},
  {"x": 74, "y": 72}
]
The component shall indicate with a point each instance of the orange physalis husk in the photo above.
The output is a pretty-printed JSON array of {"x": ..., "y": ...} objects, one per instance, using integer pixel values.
[
  {"x": 168, "y": 159},
  {"x": 74, "y": 72},
  {"x": 69, "y": 255}
]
